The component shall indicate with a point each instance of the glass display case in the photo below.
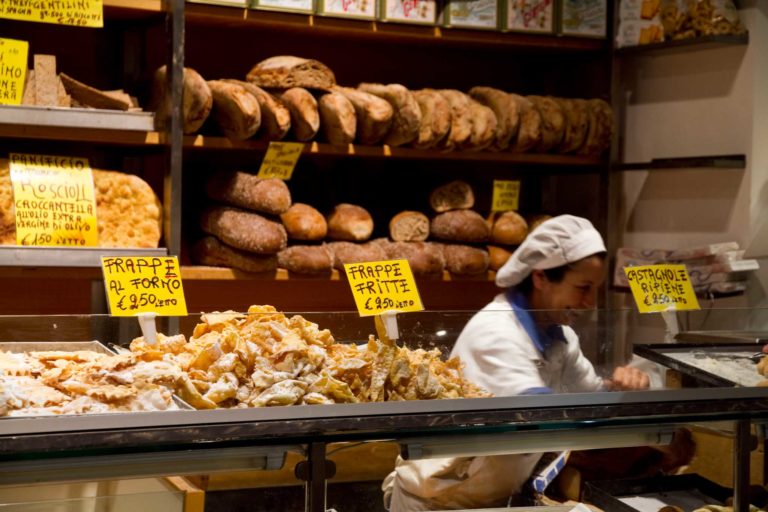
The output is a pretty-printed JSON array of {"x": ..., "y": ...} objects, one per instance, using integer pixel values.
[{"x": 247, "y": 433}]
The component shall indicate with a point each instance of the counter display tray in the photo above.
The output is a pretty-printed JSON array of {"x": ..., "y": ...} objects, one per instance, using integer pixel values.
[
  {"x": 723, "y": 337},
  {"x": 713, "y": 365},
  {"x": 650, "y": 494},
  {"x": 36, "y": 256},
  {"x": 61, "y": 117}
]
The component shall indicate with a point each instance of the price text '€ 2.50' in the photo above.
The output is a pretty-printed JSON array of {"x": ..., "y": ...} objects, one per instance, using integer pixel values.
[
  {"x": 661, "y": 288},
  {"x": 383, "y": 286},
  {"x": 144, "y": 284}
]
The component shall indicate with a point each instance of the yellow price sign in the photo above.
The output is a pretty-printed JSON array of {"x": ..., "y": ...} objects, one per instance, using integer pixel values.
[
  {"x": 380, "y": 286},
  {"x": 13, "y": 70},
  {"x": 143, "y": 284},
  {"x": 54, "y": 200},
  {"x": 659, "y": 288},
  {"x": 506, "y": 195},
  {"x": 78, "y": 13},
  {"x": 280, "y": 160}
]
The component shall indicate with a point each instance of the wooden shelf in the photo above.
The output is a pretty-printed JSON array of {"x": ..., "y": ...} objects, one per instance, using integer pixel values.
[
  {"x": 76, "y": 134},
  {"x": 132, "y": 9},
  {"x": 202, "y": 273},
  {"x": 340, "y": 27},
  {"x": 686, "y": 45},
  {"x": 690, "y": 162}
]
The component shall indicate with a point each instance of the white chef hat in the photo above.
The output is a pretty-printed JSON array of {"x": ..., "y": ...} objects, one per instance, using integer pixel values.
[{"x": 554, "y": 243}]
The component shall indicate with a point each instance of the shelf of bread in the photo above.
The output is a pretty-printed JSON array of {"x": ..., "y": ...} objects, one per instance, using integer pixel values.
[{"x": 337, "y": 27}]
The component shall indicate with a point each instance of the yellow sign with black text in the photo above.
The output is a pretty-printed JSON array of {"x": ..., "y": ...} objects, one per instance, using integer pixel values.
[
  {"x": 506, "y": 195},
  {"x": 54, "y": 201},
  {"x": 380, "y": 286},
  {"x": 658, "y": 288},
  {"x": 13, "y": 70},
  {"x": 280, "y": 160},
  {"x": 143, "y": 284},
  {"x": 78, "y": 13}
]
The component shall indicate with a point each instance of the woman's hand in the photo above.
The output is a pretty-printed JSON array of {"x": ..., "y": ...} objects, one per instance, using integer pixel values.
[{"x": 626, "y": 378}]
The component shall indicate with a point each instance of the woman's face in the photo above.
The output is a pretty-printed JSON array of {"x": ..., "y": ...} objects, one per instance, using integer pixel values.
[{"x": 577, "y": 291}]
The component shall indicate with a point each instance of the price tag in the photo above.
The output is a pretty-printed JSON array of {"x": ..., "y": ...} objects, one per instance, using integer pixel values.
[
  {"x": 54, "y": 199},
  {"x": 13, "y": 70},
  {"x": 506, "y": 195},
  {"x": 280, "y": 160},
  {"x": 79, "y": 13},
  {"x": 380, "y": 286},
  {"x": 143, "y": 284},
  {"x": 659, "y": 288}
]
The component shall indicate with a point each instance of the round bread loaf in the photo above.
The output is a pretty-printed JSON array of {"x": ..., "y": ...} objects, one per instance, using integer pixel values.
[
  {"x": 423, "y": 257},
  {"x": 409, "y": 226},
  {"x": 509, "y": 228},
  {"x": 498, "y": 256},
  {"x": 348, "y": 252},
  {"x": 350, "y": 222},
  {"x": 460, "y": 226},
  {"x": 211, "y": 251},
  {"x": 455, "y": 195},
  {"x": 244, "y": 230},
  {"x": 306, "y": 259},
  {"x": 303, "y": 222},
  {"x": 465, "y": 260}
]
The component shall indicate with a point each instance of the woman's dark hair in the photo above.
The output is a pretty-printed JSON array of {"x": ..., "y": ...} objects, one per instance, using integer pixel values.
[{"x": 554, "y": 275}]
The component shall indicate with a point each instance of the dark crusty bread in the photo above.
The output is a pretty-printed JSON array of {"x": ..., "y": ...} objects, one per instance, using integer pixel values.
[
  {"x": 197, "y": 105},
  {"x": 284, "y": 71},
  {"x": 244, "y": 230},
  {"x": 461, "y": 119},
  {"x": 600, "y": 128},
  {"x": 576, "y": 114},
  {"x": 305, "y": 116},
  {"x": 506, "y": 111},
  {"x": 349, "y": 222},
  {"x": 245, "y": 190},
  {"x": 275, "y": 116},
  {"x": 348, "y": 252},
  {"x": 552, "y": 122},
  {"x": 465, "y": 260},
  {"x": 456, "y": 195},
  {"x": 236, "y": 111},
  {"x": 529, "y": 132},
  {"x": 483, "y": 127},
  {"x": 303, "y": 222},
  {"x": 211, "y": 251},
  {"x": 409, "y": 226},
  {"x": 306, "y": 259},
  {"x": 406, "y": 120},
  {"x": 424, "y": 258},
  {"x": 498, "y": 256},
  {"x": 509, "y": 228},
  {"x": 338, "y": 121},
  {"x": 460, "y": 226}
]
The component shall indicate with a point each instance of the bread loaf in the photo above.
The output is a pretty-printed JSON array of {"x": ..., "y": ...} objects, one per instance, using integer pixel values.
[
  {"x": 506, "y": 111},
  {"x": 460, "y": 226},
  {"x": 409, "y": 226},
  {"x": 509, "y": 228},
  {"x": 338, "y": 121},
  {"x": 374, "y": 115},
  {"x": 424, "y": 258},
  {"x": 461, "y": 119},
  {"x": 552, "y": 122},
  {"x": 465, "y": 260},
  {"x": 285, "y": 71},
  {"x": 600, "y": 128},
  {"x": 305, "y": 117},
  {"x": 275, "y": 116},
  {"x": 435, "y": 118},
  {"x": 576, "y": 126},
  {"x": 350, "y": 222},
  {"x": 90, "y": 96},
  {"x": 535, "y": 220},
  {"x": 529, "y": 132},
  {"x": 211, "y": 251},
  {"x": 406, "y": 119},
  {"x": 303, "y": 222},
  {"x": 455, "y": 195},
  {"x": 244, "y": 230},
  {"x": 497, "y": 257},
  {"x": 247, "y": 191},
  {"x": 483, "y": 127},
  {"x": 348, "y": 252},
  {"x": 197, "y": 105},
  {"x": 306, "y": 259},
  {"x": 236, "y": 111}
]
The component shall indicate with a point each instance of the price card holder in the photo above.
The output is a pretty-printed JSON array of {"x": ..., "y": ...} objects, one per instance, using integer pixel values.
[
  {"x": 54, "y": 201},
  {"x": 143, "y": 284},
  {"x": 280, "y": 160},
  {"x": 78, "y": 13},
  {"x": 13, "y": 70},
  {"x": 658, "y": 288},
  {"x": 506, "y": 195}
]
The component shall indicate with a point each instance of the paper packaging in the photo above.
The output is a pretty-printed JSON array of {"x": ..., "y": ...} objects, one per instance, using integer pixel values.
[
  {"x": 640, "y": 23},
  {"x": 530, "y": 16},
  {"x": 481, "y": 14},
  {"x": 584, "y": 18},
  {"x": 305, "y": 6},
  {"x": 409, "y": 11},
  {"x": 360, "y": 9}
]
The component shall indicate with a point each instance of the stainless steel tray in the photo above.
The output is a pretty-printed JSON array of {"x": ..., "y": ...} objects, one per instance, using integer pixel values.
[
  {"x": 17, "y": 256},
  {"x": 77, "y": 118}
]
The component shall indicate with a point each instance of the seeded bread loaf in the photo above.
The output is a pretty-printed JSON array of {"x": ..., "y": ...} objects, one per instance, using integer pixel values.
[
  {"x": 244, "y": 230},
  {"x": 247, "y": 191},
  {"x": 455, "y": 195},
  {"x": 460, "y": 226},
  {"x": 285, "y": 71},
  {"x": 211, "y": 251}
]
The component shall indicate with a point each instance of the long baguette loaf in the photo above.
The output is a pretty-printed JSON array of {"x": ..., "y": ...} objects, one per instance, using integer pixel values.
[
  {"x": 247, "y": 191},
  {"x": 275, "y": 116},
  {"x": 236, "y": 111},
  {"x": 244, "y": 230},
  {"x": 506, "y": 111},
  {"x": 285, "y": 71},
  {"x": 406, "y": 120},
  {"x": 338, "y": 121},
  {"x": 374, "y": 115},
  {"x": 211, "y": 251},
  {"x": 435, "y": 118},
  {"x": 305, "y": 117}
]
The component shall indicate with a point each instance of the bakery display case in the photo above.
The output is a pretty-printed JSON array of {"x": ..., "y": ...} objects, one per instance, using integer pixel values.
[{"x": 259, "y": 436}]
